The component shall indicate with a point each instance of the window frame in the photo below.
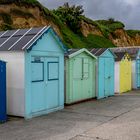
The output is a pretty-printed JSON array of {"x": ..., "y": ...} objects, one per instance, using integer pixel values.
[
  {"x": 33, "y": 81},
  {"x": 53, "y": 79}
]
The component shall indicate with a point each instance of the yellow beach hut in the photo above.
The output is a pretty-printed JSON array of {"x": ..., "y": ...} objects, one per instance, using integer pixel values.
[{"x": 123, "y": 70}]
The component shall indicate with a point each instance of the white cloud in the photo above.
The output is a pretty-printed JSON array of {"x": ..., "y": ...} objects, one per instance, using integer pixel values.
[{"x": 132, "y": 2}]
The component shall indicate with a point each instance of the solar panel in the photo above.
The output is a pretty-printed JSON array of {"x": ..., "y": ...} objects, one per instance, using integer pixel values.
[
  {"x": 2, "y": 40},
  {"x": 19, "y": 39},
  {"x": 21, "y": 32},
  {"x": 35, "y": 30},
  {"x": 9, "y": 43},
  {"x": 1, "y": 33},
  {"x": 22, "y": 42},
  {"x": 8, "y": 34},
  {"x": 94, "y": 51}
]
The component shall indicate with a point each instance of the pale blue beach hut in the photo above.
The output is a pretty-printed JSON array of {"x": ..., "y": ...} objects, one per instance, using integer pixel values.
[
  {"x": 35, "y": 71},
  {"x": 104, "y": 72}
]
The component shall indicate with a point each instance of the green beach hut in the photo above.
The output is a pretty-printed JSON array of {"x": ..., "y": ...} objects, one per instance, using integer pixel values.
[{"x": 80, "y": 73}]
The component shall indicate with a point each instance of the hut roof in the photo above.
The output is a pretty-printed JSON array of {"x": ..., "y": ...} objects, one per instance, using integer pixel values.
[
  {"x": 23, "y": 39},
  {"x": 133, "y": 52},
  {"x": 119, "y": 55},
  {"x": 74, "y": 52},
  {"x": 98, "y": 51}
]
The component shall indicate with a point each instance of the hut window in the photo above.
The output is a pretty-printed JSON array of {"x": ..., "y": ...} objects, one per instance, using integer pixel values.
[
  {"x": 37, "y": 71},
  {"x": 53, "y": 71},
  {"x": 85, "y": 68}
]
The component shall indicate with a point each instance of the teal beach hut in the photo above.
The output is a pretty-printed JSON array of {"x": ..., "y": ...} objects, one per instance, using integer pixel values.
[
  {"x": 80, "y": 71},
  {"x": 35, "y": 71},
  {"x": 105, "y": 72}
]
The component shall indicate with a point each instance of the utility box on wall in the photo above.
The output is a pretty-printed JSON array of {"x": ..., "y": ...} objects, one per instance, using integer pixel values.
[{"x": 3, "y": 116}]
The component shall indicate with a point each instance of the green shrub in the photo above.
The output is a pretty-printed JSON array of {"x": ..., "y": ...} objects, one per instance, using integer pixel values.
[
  {"x": 95, "y": 41},
  {"x": 70, "y": 15},
  {"x": 133, "y": 33}
]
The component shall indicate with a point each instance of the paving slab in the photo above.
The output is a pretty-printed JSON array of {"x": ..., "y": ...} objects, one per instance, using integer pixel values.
[
  {"x": 85, "y": 138},
  {"x": 81, "y": 121},
  {"x": 112, "y": 106},
  {"x": 124, "y": 127},
  {"x": 60, "y": 125}
]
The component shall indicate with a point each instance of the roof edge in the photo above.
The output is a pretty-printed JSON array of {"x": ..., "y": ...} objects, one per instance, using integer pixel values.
[
  {"x": 80, "y": 51},
  {"x": 112, "y": 52},
  {"x": 49, "y": 28},
  {"x": 64, "y": 47}
]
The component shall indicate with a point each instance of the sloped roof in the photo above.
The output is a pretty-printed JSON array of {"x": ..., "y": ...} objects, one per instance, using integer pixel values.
[
  {"x": 119, "y": 55},
  {"x": 98, "y": 51},
  {"x": 73, "y": 52},
  {"x": 133, "y": 52},
  {"x": 22, "y": 39}
]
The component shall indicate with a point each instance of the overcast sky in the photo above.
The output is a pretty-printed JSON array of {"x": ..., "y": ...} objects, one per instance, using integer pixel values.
[{"x": 127, "y": 11}]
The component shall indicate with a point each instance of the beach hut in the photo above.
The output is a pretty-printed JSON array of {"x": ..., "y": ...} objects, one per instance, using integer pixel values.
[
  {"x": 123, "y": 71},
  {"x": 3, "y": 115},
  {"x": 135, "y": 57},
  {"x": 80, "y": 76},
  {"x": 104, "y": 72},
  {"x": 35, "y": 71}
]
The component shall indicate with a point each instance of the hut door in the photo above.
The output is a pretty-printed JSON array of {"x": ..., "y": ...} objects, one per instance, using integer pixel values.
[
  {"x": 77, "y": 79},
  {"x": 138, "y": 73},
  {"x": 107, "y": 77},
  {"x": 45, "y": 83},
  {"x": 37, "y": 84},
  {"x": 52, "y": 82}
]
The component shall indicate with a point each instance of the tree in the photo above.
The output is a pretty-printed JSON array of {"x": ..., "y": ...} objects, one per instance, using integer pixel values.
[
  {"x": 70, "y": 15},
  {"x": 111, "y": 20}
]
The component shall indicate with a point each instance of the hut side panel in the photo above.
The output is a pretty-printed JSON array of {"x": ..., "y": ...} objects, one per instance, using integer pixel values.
[
  {"x": 134, "y": 78},
  {"x": 15, "y": 82},
  {"x": 138, "y": 73},
  {"x": 138, "y": 70},
  {"x": 117, "y": 77},
  {"x": 100, "y": 75}
]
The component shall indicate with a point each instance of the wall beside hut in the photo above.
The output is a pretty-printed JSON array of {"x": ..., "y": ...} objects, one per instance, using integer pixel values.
[{"x": 15, "y": 81}]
